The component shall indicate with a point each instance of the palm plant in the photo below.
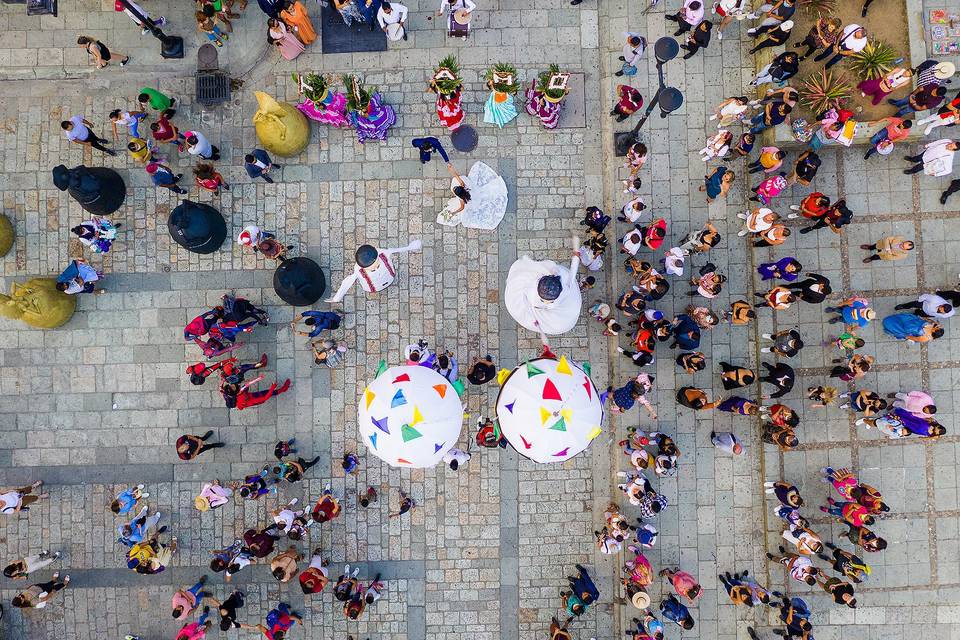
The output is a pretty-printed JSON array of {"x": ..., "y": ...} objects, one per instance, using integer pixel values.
[
  {"x": 358, "y": 96},
  {"x": 447, "y": 86},
  {"x": 503, "y": 69},
  {"x": 543, "y": 84},
  {"x": 818, "y": 7},
  {"x": 876, "y": 59},
  {"x": 314, "y": 86},
  {"x": 823, "y": 90}
]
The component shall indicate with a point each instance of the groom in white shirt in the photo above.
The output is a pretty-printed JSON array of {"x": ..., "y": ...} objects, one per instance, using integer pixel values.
[{"x": 392, "y": 13}]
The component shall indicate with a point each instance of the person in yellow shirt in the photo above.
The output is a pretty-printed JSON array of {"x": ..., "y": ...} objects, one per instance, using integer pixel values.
[{"x": 140, "y": 150}]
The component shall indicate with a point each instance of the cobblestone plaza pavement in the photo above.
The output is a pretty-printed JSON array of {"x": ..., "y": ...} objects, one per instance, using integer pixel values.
[{"x": 96, "y": 405}]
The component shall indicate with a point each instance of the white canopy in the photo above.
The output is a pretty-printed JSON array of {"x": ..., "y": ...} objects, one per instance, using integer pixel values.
[
  {"x": 549, "y": 409},
  {"x": 410, "y": 416}
]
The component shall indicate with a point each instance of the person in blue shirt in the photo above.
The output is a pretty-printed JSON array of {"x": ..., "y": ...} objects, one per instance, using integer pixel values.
[
  {"x": 427, "y": 146},
  {"x": 258, "y": 165},
  {"x": 673, "y": 609},
  {"x": 317, "y": 321},
  {"x": 163, "y": 176}
]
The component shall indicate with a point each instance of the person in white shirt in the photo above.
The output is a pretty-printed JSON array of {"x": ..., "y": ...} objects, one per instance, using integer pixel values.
[
  {"x": 936, "y": 159},
  {"x": 393, "y": 13},
  {"x": 689, "y": 16},
  {"x": 454, "y": 5},
  {"x": 674, "y": 260},
  {"x": 18, "y": 499},
  {"x": 930, "y": 305},
  {"x": 456, "y": 458},
  {"x": 198, "y": 145},
  {"x": 374, "y": 269},
  {"x": 77, "y": 130}
]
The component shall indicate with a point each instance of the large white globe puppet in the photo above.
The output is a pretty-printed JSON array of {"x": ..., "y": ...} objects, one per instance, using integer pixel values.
[
  {"x": 549, "y": 410},
  {"x": 542, "y": 295},
  {"x": 410, "y": 416}
]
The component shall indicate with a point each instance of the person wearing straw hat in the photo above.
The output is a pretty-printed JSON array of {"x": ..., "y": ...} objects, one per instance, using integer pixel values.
[
  {"x": 934, "y": 72},
  {"x": 392, "y": 18}
]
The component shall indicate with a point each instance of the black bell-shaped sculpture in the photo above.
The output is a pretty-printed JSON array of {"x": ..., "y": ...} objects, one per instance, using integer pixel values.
[
  {"x": 98, "y": 190},
  {"x": 197, "y": 227},
  {"x": 299, "y": 281}
]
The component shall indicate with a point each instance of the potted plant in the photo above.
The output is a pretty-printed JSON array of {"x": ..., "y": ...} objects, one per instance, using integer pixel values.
[
  {"x": 876, "y": 59},
  {"x": 314, "y": 87},
  {"x": 823, "y": 90}
]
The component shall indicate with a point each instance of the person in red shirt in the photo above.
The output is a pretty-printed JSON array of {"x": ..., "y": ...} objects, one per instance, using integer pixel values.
[
  {"x": 207, "y": 178},
  {"x": 315, "y": 577},
  {"x": 327, "y": 507},
  {"x": 239, "y": 397},
  {"x": 165, "y": 131},
  {"x": 629, "y": 103}
]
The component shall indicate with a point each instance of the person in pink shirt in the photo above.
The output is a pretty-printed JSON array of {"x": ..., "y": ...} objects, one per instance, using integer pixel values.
[
  {"x": 683, "y": 583},
  {"x": 919, "y": 403},
  {"x": 194, "y": 630},
  {"x": 894, "y": 130},
  {"x": 186, "y": 601},
  {"x": 212, "y": 496}
]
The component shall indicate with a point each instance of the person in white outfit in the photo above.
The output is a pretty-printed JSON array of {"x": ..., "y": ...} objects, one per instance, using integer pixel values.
[
  {"x": 374, "y": 269},
  {"x": 393, "y": 13}
]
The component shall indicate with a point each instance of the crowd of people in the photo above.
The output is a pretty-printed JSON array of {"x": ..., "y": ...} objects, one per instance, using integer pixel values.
[{"x": 148, "y": 125}]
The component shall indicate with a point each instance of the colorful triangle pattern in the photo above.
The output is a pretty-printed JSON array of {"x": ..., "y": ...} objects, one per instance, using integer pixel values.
[
  {"x": 587, "y": 386},
  {"x": 567, "y": 413},
  {"x": 368, "y": 396},
  {"x": 564, "y": 367},
  {"x": 550, "y": 391},
  {"x": 380, "y": 424},
  {"x": 526, "y": 445},
  {"x": 437, "y": 447},
  {"x": 509, "y": 407},
  {"x": 559, "y": 425},
  {"x": 562, "y": 453},
  {"x": 533, "y": 371},
  {"x": 403, "y": 377},
  {"x": 373, "y": 440},
  {"x": 417, "y": 416},
  {"x": 409, "y": 433},
  {"x": 398, "y": 399},
  {"x": 441, "y": 390},
  {"x": 544, "y": 416}
]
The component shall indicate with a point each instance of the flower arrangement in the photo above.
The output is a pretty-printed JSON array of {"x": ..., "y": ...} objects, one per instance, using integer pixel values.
[
  {"x": 547, "y": 85},
  {"x": 358, "y": 96},
  {"x": 502, "y": 78},
  {"x": 447, "y": 83},
  {"x": 313, "y": 86}
]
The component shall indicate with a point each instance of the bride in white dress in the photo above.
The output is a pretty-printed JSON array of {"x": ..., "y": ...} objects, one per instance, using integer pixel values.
[{"x": 479, "y": 200}]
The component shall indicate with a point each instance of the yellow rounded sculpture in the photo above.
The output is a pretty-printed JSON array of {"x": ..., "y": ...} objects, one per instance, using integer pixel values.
[
  {"x": 38, "y": 303},
  {"x": 281, "y": 128},
  {"x": 7, "y": 234}
]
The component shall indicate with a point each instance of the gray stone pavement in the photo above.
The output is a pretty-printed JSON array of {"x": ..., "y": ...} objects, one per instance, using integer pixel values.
[{"x": 486, "y": 552}]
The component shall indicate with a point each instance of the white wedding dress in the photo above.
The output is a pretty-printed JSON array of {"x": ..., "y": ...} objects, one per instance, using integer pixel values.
[
  {"x": 488, "y": 200},
  {"x": 520, "y": 296}
]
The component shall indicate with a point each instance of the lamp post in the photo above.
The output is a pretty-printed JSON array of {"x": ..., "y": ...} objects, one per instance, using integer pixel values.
[
  {"x": 668, "y": 98},
  {"x": 170, "y": 46}
]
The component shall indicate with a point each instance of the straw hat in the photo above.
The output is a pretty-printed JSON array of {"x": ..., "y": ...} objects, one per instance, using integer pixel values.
[
  {"x": 944, "y": 71},
  {"x": 201, "y": 504},
  {"x": 640, "y": 600}
]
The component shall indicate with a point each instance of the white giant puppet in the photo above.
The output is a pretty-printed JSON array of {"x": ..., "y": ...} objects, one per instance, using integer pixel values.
[{"x": 543, "y": 296}]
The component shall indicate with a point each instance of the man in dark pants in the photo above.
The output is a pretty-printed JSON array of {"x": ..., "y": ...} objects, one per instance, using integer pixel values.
[
  {"x": 77, "y": 130},
  {"x": 258, "y": 165},
  {"x": 427, "y": 146}
]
